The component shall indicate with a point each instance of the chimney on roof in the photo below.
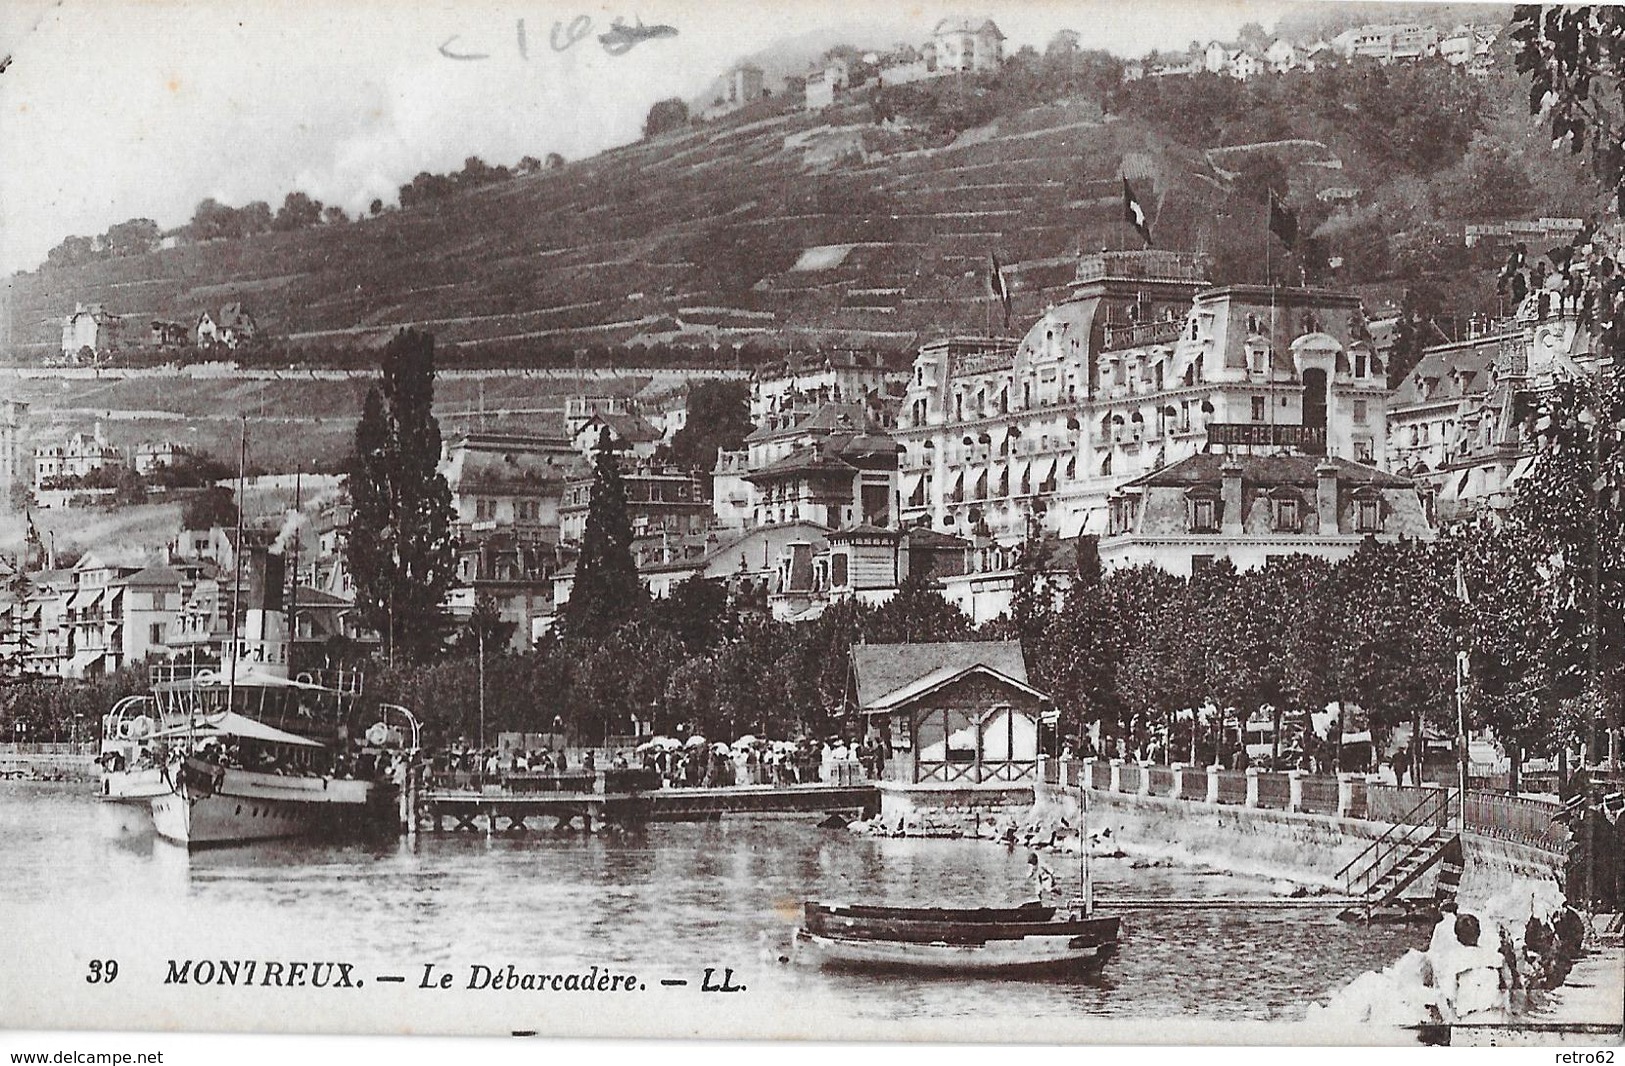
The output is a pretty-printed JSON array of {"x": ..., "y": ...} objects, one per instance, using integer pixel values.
[
  {"x": 1326, "y": 496},
  {"x": 1230, "y": 494},
  {"x": 800, "y": 568}
]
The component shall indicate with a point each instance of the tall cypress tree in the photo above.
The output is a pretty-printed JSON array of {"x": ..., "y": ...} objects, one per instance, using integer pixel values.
[
  {"x": 400, "y": 547},
  {"x": 607, "y": 592}
]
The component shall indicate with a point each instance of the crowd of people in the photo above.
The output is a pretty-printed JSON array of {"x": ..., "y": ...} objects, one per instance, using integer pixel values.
[
  {"x": 749, "y": 761},
  {"x": 1485, "y": 974},
  {"x": 693, "y": 763},
  {"x": 1477, "y": 969}
]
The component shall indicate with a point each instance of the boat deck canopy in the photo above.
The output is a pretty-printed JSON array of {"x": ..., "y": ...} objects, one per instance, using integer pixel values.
[{"x": 238, "y": 725}]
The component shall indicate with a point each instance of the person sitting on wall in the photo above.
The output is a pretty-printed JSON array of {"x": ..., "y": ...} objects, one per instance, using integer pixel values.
[{"x": 1474, "y": 981}]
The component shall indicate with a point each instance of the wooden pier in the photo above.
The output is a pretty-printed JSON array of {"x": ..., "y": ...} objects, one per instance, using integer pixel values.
[{"x": 492, "y": 811}]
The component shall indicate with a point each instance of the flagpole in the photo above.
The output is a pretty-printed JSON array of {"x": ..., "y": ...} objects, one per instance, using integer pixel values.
[{"x": 1268, "y": 212}]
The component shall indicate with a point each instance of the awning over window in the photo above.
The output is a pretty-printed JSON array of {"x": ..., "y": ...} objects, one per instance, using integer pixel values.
[
  {"x": 914, "y": 490},
  {"x": 83, "y": 662},
  {"x": 1521, "y": 470},
  {"x": 1073, "y": 524},
  {"x": 84, "y": 599}
]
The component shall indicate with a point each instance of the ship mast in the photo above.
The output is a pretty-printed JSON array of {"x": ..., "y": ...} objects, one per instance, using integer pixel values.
[
  {"x": 237, "y": 576},
  {"x": 293, "y": 594}
]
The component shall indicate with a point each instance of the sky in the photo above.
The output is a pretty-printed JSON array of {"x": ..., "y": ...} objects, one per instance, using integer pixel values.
[{"x": 119, "y": 109}]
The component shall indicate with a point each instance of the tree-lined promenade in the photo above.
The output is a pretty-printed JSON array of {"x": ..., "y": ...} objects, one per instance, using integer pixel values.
[{"x": 1532, "y": 596}]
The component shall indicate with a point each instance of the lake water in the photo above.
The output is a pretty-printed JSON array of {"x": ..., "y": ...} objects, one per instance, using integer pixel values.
[{"x": 663, "y": 903}]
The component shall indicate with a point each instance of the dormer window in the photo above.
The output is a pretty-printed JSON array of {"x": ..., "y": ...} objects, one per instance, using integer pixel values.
[
  {"x": 1122, "y": 516},
  {"x": 1368, "y": 510},
  {"x": 1202, "y": 506},
  {"x": 1360, "y": 365},
  {"x": 1286, "y": 512}
]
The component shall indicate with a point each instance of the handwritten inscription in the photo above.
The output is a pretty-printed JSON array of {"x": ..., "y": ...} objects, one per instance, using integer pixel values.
[{"x": 618, "y": 40}]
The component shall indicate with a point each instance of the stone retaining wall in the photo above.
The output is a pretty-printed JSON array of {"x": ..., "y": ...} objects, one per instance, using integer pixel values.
[
  {"x": 902, "y": 801},
  {"x": 49, "y": 767},
  {"x": 1309, "y": 848}
]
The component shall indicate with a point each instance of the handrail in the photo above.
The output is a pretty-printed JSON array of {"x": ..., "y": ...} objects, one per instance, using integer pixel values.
[
  {"x": 1435, "y": 797},
  {"x": 1403, "y": 822}
]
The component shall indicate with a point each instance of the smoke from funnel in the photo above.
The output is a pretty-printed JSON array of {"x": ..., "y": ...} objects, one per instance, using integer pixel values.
[{"x": 289, "y": 530}]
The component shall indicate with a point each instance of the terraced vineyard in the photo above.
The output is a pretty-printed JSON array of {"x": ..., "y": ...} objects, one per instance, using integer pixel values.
[{"x": 775, "y": 222}]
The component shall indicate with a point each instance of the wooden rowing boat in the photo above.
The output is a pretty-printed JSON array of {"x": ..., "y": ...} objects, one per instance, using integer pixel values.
[
  {"x": 1026, "y": 912},
  {"x": 965, "y": 940}
]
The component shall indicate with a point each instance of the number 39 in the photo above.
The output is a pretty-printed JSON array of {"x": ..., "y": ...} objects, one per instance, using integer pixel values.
[{"x": 102, "y": 971}]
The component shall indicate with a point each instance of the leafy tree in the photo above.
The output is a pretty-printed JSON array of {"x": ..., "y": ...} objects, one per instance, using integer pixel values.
[
  {"x": 400, "y": 546},
  {"x": 555, "y": 161},
  {"x": 1149, "y": 616},
  {"x": 1487, "y": 183},
  {"x": 375, "y": 208},
  {"x": 1080, "y": 648},
  {"x": 1415, "y": 331},
  {"x": 665, "y": 116},
  {"x": 1570, "y": 512},
  {"x": 486, "y": 628},
  {"x": 476, "y": 171},
  {"x": 1572, "y": 507},
  {"x": 1574, "y": 57},
  {"x": 1252, "y": 36},
  {"x": 255, "y": 218},
  {"x": 607, "y": 593},
  {"x": 621, "y": 675},
  {"x": 697, "y": 612},
  {"x": 1064, "y": 43},
  {"x": 334, "y": 215},
  {"x": 918, "y": 613},
  {"x": 1510, "y": 675},
  {"x": 214, "y": 506},
  {"x": 298, "y": 212},
  {"x": 1396, "y": 649},
  {"x": 718, "y": 418},
  {"x": 213, "y": 220},
  {"x": 138, "y": 236},
  {"x": 72, "y": 252},
  {"x": 128, "y": 487}
]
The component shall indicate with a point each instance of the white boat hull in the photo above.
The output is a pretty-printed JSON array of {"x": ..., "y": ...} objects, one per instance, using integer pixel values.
[
  {"x": 245, "y": 806},
  {"x": 993, "y": 956},
  {"x": 134, "y": 786}
]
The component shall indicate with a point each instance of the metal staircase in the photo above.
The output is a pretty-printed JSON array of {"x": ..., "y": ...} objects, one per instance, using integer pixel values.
[{"x": 1410, "y": 848}]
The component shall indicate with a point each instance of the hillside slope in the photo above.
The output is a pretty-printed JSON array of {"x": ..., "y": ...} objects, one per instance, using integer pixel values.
[
  {"x": 779, "y": 227},
  {"x": 775, "y": 221}
]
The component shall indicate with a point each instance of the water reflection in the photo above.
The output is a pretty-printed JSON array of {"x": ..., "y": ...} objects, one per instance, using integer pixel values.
[{"x": 678, "y": 898}]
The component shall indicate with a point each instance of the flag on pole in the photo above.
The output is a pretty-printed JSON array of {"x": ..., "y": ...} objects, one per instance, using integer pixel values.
[
  {"x": 1283, "y": 221},
  {"x": 1000, "y": 289},
  {"x": 1135, "y": 215}
]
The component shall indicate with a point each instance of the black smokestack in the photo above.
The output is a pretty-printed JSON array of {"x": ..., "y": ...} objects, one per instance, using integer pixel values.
[{"x": 266, "y": 578}]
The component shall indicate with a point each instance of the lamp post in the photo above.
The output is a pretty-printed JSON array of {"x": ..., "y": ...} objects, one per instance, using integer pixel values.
[{"x": 480, "y": 633}]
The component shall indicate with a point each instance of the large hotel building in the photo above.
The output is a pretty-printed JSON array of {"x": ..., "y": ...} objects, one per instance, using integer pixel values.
[{"x": 1143, "y": 365}]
